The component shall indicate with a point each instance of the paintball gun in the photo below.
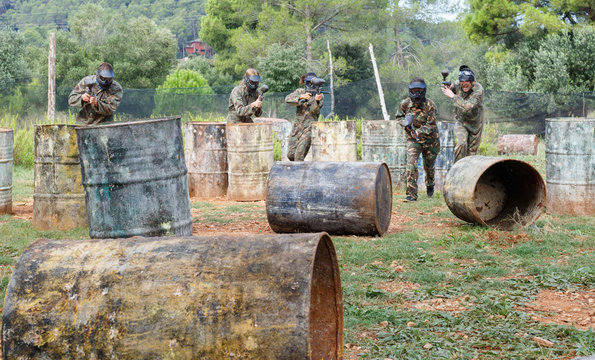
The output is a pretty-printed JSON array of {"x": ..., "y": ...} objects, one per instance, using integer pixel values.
[
  {"x": 407, "y": 123},
  {"x": 264, "y": 88},
  {"x": 314, "y": 88},
  {"x": 445, "y": 73}
]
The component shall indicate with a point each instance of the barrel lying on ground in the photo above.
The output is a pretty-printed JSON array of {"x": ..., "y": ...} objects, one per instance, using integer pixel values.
[
  {"x": 570, "y": 165},
  {"x": 336, "y": 197},
  {"x": 497, "y": 192},
  {"x": 59, "y": 198},
  {"x": 134, "y": 176},
  {"x": 260, "y": 297},
  {"x": 6, "y": 148},
  {"x": 205, "y": 151},
  {"x": 524, "y": 144}
]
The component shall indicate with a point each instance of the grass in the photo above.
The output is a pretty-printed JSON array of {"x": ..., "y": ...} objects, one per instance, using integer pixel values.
[{"x": 437, "y": 288}]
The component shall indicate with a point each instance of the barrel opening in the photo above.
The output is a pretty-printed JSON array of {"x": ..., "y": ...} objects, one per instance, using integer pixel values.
[
  {"x": 509, "y": 194},
  {"x": 326, "y": 307},
  {"x": 383, "y": 207}
]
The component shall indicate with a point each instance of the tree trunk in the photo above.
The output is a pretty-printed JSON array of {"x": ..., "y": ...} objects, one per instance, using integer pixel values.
[
  {"x": 399, "y": 47},
  {"x": 308, "y": 38}
]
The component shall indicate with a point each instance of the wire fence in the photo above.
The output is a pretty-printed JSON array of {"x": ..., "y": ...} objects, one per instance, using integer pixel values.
[{"x": 523, "y": 112}]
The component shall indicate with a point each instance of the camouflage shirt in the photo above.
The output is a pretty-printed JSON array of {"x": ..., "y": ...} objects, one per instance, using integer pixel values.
[
  {"x": 307, "y": 112},
  {"x": 107, "y": 101},
  {"x": 469, "y": 107},
  {"x": 239, "y": 105},
  {"x": 424, "y": 119}
]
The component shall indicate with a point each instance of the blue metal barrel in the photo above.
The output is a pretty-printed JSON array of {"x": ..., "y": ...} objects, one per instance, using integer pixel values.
[{"x": 134, "y": 177}]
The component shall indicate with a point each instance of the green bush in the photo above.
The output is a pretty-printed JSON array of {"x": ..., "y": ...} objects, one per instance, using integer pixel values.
[
  {"x": 178, "y": 94},
  {"x": 24, "y": 140}
]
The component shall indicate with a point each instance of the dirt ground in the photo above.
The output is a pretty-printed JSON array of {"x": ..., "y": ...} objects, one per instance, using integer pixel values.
[{"x": 559, "y": 307}]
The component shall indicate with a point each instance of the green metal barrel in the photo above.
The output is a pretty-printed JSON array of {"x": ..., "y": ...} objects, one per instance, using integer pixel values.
[
  {"x": 6, "y": 149},
  {"x": 570, "y": 165},
  {"x": 384, "y": 141},
  {"x": 134, "y": 176}
]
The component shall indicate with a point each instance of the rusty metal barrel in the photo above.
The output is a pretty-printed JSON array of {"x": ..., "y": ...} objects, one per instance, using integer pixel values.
[
  {"x": 6, "y": 162},
  {"x": 335, "y": 197},
  {"x": 59, "y": 198},
  {"x": 570, "y": 165},
  {"x": 497, "y": 192},
  {"x": 444, "y": 160},
  {"x": 205, "y": 151},
  {"x": 183, "y": 298},
  {"x": 281, "y": 132},
  {"x": 523, "y": 144},
  {"x": 249, "y": 159},
  {"x": 334, "y": 141},
  {"x": 134, "y": 175},
  {"x": 384, "y": 141}
]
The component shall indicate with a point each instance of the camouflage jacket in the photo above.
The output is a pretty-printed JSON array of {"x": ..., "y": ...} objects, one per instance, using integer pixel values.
[
  {"x": 107, "y": 101},
  {"x": 469, "y": 107},
  {"x": 424, "y": 119},
  {"x": 306, "y": 112},
  {"x": 239, "y": 105}
]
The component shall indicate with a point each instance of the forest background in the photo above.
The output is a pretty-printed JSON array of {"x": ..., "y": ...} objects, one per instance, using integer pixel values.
[{"x": 535, "y": 59}]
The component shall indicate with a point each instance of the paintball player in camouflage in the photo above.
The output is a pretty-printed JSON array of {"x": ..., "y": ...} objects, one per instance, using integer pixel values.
[
  {"x": 98, "y": 95},
  {"x": 308, "y": 101},
  {"x": 418, "y": 117},
  {"x": 467, "y": 96},
  {"x": 244, "y": 100}
]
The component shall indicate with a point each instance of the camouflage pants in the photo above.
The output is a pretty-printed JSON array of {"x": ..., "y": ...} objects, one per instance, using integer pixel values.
[
  {"x": 299, "y": 142},
  {"x": 467, "y": 142},
  {"x": 429, "y": 151}
]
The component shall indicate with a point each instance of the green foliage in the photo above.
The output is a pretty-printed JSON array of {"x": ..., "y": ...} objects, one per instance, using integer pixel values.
[
  {"x": 356, "y": 59},
  {"x": 175, "y": 95},
  {"x": 204, "y": 67},
  {"x": 282, "y": 67},
  {"x": 23, "y": 140},
  {"x": 13, "y": 69},
  {"x": 496, "y": 20}
]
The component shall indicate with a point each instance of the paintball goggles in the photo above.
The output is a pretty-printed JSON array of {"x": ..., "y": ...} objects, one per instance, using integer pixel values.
[{"x": 445, "y": 73}]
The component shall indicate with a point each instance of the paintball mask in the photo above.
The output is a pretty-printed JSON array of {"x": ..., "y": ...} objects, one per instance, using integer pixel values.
[
  {"x": 466, "y": 74},
  {"x": 252, "y": 82},
  {"x": 417, "y": 92},
  {"x": 104, "y": 78}
]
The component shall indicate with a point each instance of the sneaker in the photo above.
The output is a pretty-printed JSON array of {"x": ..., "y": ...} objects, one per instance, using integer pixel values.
[
  {"x": 430, "y": 191},
  {"x": 410, "y": 198}
]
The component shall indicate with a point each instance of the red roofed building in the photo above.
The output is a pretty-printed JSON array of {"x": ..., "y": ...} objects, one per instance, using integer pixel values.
[{"x": 199, "y": 48}]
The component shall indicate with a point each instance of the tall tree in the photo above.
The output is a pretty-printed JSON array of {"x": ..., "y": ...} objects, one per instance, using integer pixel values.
[
  {"x": 501, "y": 20},
  {"x": 13, "y": 68}
]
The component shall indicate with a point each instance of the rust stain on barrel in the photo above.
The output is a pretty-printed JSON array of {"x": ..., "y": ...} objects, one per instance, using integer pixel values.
[
  {"x": 334, "y": 141},
  {"x": 249, "y": 157},
  {"x": 6, "y": 164},
  {"x": 335, "y": 197},
  {"x": 523, "y": 144},
  {"x": 497, "y": 192},
  {"x": 205, "y": 151},
  {"x": 59, "y": 199},
  {"x": 258, "y": 297}
]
